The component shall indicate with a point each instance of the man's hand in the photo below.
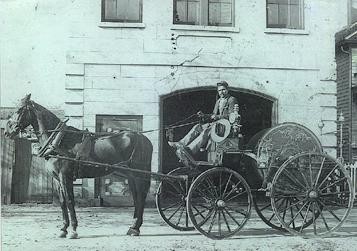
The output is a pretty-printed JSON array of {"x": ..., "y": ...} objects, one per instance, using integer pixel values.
[
  {"x": 200, "y": 114},
  {"x": 214, "y": 117}
]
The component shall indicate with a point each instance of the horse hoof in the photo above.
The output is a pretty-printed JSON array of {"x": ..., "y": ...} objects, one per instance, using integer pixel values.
[
  {"x": 133, "y": 232},
  {"x": 73, "y": 235},
  {"x": 63, "y": 234}
]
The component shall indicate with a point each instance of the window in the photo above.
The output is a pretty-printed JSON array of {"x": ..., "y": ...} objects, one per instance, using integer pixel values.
[
  {"x": 353, "y": 11},
  {"x": 117, "y": 123},
  {"x": 125, "y": 11},
  {"x": 203, "y": 12},
  {"x": 285, "y": 14}
]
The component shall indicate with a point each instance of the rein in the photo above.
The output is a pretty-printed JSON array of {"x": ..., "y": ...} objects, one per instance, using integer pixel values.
[{"x": 177, "y": 124}]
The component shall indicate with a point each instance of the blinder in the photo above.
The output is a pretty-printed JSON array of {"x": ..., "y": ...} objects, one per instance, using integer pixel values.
[{"x": 20, "y": 119}]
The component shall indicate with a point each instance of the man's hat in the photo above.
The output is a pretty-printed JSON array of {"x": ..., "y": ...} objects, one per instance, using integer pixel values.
[
  {"x": 220, "y": 130},
  {"x": 222, "y": 83}
]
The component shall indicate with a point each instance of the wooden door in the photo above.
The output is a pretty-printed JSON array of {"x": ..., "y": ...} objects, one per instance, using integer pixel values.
[
  {"x": 7, "y": 156},
  {"x": 40, "y": 182},
  {"x": 21, "y": 171}
]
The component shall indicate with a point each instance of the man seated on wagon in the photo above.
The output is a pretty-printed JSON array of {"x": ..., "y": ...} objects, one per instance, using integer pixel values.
[{"x": 199, "y": 135}]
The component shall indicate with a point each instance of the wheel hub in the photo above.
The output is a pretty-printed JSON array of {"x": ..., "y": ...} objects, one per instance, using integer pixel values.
[
  {"x": 220, "y": 203},
  {"x": 313, "y": 194}
]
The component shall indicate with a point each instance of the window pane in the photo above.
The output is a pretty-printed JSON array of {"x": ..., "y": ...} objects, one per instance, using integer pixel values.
[
  {"x": 220, "y": 12},
  {"x": 133, "y": 10},
  {"x": 187, "y": 12},
  {"x": 122, "y": 10},
  {"x": 277, "y": 1},
  {"x": 284, "y": 14},
  {"x": 193, "y": 12},
  {"x": 110, "y": 9},
  {"x": 181, "y": 14},
  {"x": 273, "y": 17},
  {"x": 294, "y": 17},
  {"x": 214, "y": 14},
  {"x": 226, "y": 13},
  {"x": 353, "y": 11},
  {"x": 121, "y": 6}
]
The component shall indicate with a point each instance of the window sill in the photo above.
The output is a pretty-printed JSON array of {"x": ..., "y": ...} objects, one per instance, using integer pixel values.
[
  {"x": 204, "y": 28},
  {"x": 121, "y": 25},
  {"x": 285, "y": 31}
]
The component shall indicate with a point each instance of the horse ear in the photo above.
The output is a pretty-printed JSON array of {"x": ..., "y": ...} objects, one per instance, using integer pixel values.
[{"x": 26, "y": 99}]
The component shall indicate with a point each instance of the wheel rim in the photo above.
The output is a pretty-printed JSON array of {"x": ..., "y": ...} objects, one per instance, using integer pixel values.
[
  {"x": 219, "y": 203},
  {"x": 171, "y": 199},
  {"x": 317, "y": 194},
  {"x": 266, "y": 213}
]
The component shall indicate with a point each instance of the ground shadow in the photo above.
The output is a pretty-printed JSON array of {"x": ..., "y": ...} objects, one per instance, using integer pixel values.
[{"x": 345, "y": 232}]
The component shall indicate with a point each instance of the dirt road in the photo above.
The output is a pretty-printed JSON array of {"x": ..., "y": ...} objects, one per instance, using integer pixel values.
[{"x": 36, "y": 227}]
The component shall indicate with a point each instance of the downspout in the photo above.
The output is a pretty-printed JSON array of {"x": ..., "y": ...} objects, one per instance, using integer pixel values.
[
  {"x": 341, "y": 122},
  {"x": 344, "y": 51}
]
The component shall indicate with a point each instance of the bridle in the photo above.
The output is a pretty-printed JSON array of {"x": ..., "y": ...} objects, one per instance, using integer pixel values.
[{"x": 24, "y": 113}]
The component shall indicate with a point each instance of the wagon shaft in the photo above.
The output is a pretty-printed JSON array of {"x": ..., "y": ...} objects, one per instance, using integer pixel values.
[{"x": 123, "y": 166}]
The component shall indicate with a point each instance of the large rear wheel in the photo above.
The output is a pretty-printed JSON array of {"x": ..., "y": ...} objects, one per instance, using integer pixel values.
[
  {"x": 265, "y": 211},
  {"x": 312, "y": 194}
]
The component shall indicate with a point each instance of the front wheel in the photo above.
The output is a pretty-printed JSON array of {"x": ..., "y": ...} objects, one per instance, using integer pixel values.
[
  {"x": 171, "y": 199},
  {"x": 219, "y": 203}
]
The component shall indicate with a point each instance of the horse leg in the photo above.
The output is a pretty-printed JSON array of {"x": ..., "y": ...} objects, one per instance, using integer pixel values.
[
  {"x": 63, "y": 205},
  {"x": 141, "y": 189},
  {"x": 132, "y": 231},
  {"x": 67, "y": 184},
  {"x": 141, "y": 198}
]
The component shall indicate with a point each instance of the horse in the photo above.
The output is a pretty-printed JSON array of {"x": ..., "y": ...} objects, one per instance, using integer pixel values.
[{"x": 129, "y": 147}]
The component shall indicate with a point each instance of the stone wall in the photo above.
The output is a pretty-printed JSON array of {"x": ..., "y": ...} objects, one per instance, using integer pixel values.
[{"x": 75, "y": 61}]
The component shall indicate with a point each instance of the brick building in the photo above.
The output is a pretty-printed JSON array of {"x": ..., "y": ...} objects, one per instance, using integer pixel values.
[{"x": 346, "y": 60}]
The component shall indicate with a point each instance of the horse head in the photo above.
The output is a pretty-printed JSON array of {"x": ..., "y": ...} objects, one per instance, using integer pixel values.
[{"x": 22, "y": 118}]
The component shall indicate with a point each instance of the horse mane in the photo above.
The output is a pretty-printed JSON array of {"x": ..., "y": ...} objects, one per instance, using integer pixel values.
[{"x": 49, "y": 119}]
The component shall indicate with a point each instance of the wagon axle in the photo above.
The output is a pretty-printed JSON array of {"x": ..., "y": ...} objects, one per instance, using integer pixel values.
[
  {"x": 220, "y": 204},
  {"x": 313, "y": 195}
]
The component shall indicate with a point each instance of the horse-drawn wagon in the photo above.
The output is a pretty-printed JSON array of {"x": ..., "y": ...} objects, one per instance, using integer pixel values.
[{"x": 282, "y": 172}]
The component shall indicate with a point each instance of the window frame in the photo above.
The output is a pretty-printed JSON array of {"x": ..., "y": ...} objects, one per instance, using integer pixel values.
[
  {"x": 124, "y": 21},
  {"x": 300, "y": 27},
  {"x": 102, "y": 119},
  {"x": 203, "y": 15}
]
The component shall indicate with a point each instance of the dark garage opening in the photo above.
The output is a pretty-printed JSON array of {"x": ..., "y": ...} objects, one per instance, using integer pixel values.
[{"x": 256, "y": 112}]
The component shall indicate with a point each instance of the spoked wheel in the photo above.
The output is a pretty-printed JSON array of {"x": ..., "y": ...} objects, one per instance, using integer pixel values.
[
  {"x": 171, "y": 199},
  {"x": 312, "y": 194},
  {"x": 266, "y": 213},
  {"x": 219, "y": 203}
]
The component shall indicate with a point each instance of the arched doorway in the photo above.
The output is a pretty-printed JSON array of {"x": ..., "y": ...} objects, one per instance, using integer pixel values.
[{"x": 258, "y": 111}]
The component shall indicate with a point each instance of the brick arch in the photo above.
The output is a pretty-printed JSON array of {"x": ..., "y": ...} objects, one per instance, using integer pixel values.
[{"x": 258, "y": 111}]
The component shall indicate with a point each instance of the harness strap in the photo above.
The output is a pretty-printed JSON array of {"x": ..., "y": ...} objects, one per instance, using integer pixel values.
[{"x": 47, "y": 147}]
